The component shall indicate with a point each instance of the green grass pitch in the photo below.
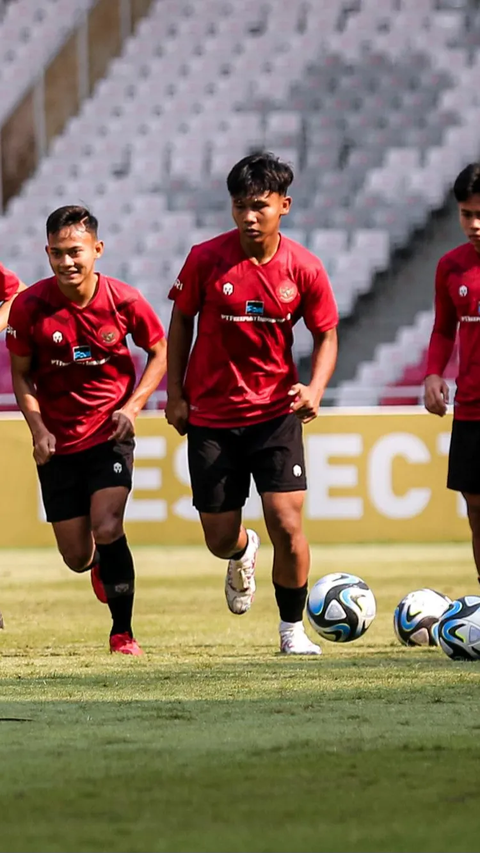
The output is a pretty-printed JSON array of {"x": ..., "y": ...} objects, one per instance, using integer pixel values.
[{"x": 213, "y": 741}]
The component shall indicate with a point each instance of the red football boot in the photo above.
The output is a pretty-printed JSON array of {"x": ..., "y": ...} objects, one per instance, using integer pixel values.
[
  {"x": 125, "y": 644},
  {"x": 97, "y": 584}
]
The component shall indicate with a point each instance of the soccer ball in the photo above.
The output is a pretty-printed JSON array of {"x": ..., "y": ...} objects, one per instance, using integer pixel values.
[
  {"x": 415, "y": 620},
  {"x": 459, "y": 629},
  {"x": 340, "y": 607}
]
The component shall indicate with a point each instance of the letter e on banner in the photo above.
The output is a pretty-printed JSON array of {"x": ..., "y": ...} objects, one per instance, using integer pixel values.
[{"x": 323, "y": 476}]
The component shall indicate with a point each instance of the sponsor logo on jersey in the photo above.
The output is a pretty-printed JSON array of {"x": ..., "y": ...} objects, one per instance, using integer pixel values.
[
  {"x": 93, "y": 362},
  {"x": 117, "y": 467},
  {"x": 82, "y": 353},
  {"x": 463, "y": 290},
  {"x": 297, "y": 470},
  {"x": 110, "y": 335},
  {"x": 287, "y": 292},
  {"x": 227, "y": 288},
  {"x": 252, "y": 318},
  {"x": 57, "y": 337},
  {"x": 254, "y": 307}
]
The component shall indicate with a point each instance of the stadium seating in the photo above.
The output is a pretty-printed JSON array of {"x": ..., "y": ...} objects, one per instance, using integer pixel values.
[
  {"x": 409, "y": 388},
  {"x": 396, "y": 373},
  {"x": 372, "y": 103},
  {"x": 30, "y": 34}
]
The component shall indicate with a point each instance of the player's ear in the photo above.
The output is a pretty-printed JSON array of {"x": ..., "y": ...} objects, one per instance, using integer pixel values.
[
  {"x": 286, "y": 204},
  {"x": 99, "y": 246}
]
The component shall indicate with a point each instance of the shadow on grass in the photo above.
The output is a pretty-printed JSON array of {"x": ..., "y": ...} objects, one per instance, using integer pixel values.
[{"x": 234, "y": 776}]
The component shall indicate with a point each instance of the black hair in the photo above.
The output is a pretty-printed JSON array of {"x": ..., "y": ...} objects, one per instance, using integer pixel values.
[
  {"x": 467, "y": 182},
  {"x": 71, "y": 214},
  {"x": 259, "y": 173}
]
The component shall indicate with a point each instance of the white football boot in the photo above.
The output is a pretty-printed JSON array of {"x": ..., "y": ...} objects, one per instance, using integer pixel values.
[
  {"x": 240, "y": 578},
  {"x": 294, "y": 641}
]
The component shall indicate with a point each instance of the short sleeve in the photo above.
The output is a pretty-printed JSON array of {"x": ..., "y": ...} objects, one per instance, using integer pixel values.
[
  {"x": 445, "y": 312},
  {"x": 319, "y": 307},
  {"x": 186, "y": 290},
  {"x": 19, "y": 335},
  {"x": 144, "y": 325},
  {"x": 9, "y": 284},
  {"x": 444, "y": 331}
]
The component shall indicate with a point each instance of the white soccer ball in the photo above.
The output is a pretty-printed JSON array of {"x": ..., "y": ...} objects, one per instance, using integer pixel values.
[
  {"x": 340, "y": 607},
  {"x": 459, "y": 629},
  {"x": 416, "y": 617}
]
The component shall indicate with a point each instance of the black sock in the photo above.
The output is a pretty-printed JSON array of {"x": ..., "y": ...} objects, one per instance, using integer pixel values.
[
  {"x": 118, "y": 577},
  {"x": 291, "y": 602},
  {"x": 239, "y": 554}
]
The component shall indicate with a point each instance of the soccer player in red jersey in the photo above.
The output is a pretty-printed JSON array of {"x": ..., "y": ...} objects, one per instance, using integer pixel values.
[
  {"x": 457, "y": 307},
  {"x": 10, "y": 286},
  {"x": 236, "y": 394},
  {"x": 74, "y": 380}
]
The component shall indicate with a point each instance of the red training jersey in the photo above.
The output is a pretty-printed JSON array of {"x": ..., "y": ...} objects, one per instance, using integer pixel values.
[
  {"x": 9, "y": 283},
  {"x": 457, "y": 305},
  {"x": 81, "y": 364},
  {"x": 241, "y": 365}
]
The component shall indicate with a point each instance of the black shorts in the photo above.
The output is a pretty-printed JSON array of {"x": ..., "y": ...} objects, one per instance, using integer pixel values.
[
  {"x": 69, "y": 480},
  {"x": 221, "y": 462},
  {"x": 464, "y": 457}
]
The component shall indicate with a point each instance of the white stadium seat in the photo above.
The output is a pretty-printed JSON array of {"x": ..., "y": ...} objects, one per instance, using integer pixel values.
[{"x": 200, "y": 84}]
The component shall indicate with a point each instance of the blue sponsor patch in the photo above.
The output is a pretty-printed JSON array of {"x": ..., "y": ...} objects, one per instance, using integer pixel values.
[
  {"x": 253, "y": 307},
  {"x": 82, "y": 353}
]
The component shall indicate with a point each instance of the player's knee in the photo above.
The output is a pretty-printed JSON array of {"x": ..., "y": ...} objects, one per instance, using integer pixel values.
[
  {"x": 108, "y": 530},
  {"x": 286, "y": 532},
  {"x": 221, "y": 543},
  {"x": 77, "y": 561}
]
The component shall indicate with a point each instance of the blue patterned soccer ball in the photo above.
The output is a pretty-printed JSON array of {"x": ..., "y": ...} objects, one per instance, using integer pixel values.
[
  {"x": 459, "y": 629},
  {"x": 415, "y": 620},
  {"x": 340, "y": 607}
]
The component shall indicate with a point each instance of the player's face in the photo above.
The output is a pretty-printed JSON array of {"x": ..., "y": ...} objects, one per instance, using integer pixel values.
[
  {"x": 469, "y": 212},
  {"x": 259, "y": 217},
  {"x": 72, "y": 253}
]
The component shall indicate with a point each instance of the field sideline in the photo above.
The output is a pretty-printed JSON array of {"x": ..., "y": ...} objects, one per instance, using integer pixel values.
[{"x": 213, "y": 741}]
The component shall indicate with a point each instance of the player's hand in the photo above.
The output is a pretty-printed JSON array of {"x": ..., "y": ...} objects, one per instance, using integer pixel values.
[
  {"x": 44, "y": 447},
  {"x": 436, "y": 395},
  {"x": 305, "y": 402},
  {"x": 176, "y": 413},
  {"x": 124, "y": 425}
]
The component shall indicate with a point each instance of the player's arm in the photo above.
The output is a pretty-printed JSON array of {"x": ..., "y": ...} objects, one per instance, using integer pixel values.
[
  {"x": 26, "y": 396},
  {"x": 307, "y": 398},
  {"x": 187, "y": 294},
  {"x": 5, "y": 308},
  {"x": 321, "y": 318},
  {"x": 442, "y": 342},
  {"x": 10, "y": 287},
  {"x": 180, "y": 336},
  {"x": 124, "y": 419}
]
